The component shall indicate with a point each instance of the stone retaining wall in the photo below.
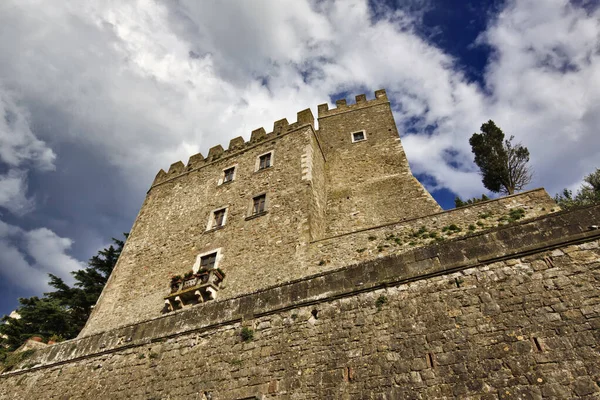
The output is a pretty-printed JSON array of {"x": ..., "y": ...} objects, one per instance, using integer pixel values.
[
  {"x": 511, "y": 313},
  {"x": 403, "y": 236}
]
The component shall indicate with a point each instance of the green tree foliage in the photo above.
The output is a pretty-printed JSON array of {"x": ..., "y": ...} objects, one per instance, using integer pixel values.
[
  {"x": 588, "y": 193},
  {"x": 64, "y": 311},
  {"x": 502, "y": 164},
  {"x": 458, "y": 202}
]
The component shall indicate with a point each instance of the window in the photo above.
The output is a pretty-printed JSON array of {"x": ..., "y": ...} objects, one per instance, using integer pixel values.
[
  {"x": 258, "y": 204},
  {"x": 264, "y": 161},
  {"x": 208, "y": 261},
  {"x": 359, "y": 136},
  {"x": 218, "y": 218},
  {"x": 228, "y": 174}
]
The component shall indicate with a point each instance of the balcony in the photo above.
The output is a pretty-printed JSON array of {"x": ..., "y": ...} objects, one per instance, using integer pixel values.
[{"x": 193, "y": 288}]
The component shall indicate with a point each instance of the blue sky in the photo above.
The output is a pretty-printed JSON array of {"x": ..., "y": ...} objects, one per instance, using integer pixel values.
[{"x": 96, "y": 97}]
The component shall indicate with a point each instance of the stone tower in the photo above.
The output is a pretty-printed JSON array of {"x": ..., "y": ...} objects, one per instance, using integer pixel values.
[
  {"x": 256, "y": 209},
  {"x": 321, "y": 269}
]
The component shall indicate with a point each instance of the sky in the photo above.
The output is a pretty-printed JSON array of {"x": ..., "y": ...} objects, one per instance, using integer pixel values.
[{"x": 97, "y": 96}]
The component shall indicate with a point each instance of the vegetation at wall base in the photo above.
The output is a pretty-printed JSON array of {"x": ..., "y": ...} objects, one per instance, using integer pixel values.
[
  {"x": 588, "y": 193},
  {"x": 458, "y": 202},
  {"x": 62, "y": 313}
]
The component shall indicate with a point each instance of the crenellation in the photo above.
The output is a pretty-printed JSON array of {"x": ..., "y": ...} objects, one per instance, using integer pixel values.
[
  {"x": 361, "y": 102},
  {"x": 258, "y": 135},
  {"x": 160, "y": 176},
  {"x": 176, "y": 168},
  {"x": 236, "y": 143},
  {"x": 322, "y": 109},
  {"x": 280, "y": 126},
  {"x": 305, "y": 117},
  {"x": 195, "y": 160},
  {"x": 215, "y": 152},
  {"x": 380, "y": 94}
]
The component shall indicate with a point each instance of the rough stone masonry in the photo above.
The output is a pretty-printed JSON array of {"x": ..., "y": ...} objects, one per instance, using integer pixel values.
[{"x": 349, "y": 282}]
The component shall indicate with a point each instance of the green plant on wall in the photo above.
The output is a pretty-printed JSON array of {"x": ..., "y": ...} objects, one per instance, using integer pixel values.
[
  {"x": 247, "y": 334},
  {"x": 381, "y": 300}
]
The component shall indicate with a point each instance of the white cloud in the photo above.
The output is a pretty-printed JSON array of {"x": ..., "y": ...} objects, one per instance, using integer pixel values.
[
  {"x": 26, "y": 257},
  {"x": 20, "y": 149},
  {"x": 13, "y": 192},
  {"x": 18, "y": 145}
]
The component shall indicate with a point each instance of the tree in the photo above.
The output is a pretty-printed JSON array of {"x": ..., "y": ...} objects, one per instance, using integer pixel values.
[
  {"x": 458, "y": 202},
  {"x": 62, "y": 312},
  {"x": 589, "y": 193},
  {"x": 502, "y": 164}
]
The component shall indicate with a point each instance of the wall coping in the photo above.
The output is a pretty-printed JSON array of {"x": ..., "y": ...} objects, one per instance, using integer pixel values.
[{"x": 518, "y": 240}]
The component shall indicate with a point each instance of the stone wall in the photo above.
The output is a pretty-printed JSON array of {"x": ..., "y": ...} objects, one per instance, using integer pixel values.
[
  {"x": 403, "y": 236},
  {"x": 509, "y": 313},
  {"x": 171, "y": 231}
]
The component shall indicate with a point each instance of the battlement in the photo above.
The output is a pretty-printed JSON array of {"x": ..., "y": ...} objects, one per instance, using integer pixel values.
[
  {"x": 361, "y": 102},
  {"x": 304, "y": 117}
]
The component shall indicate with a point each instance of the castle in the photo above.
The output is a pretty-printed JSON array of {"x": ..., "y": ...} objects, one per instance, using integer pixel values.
[{"x": 310, "y": 263}]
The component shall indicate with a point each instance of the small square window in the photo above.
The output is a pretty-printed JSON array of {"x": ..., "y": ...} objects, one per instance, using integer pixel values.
[
  {"x": 258, "y": 204},
  {"x": 218, "y": 218},
  {"x": 358, "y": 136},
  {"x": 264, "y": 161},
  {"x": 208, "y": 261},
  {"x": 228, "y": 174}
]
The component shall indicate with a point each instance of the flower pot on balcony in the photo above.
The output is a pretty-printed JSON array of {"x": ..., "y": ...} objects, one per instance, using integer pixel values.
[{"x": 214, "y": 277}]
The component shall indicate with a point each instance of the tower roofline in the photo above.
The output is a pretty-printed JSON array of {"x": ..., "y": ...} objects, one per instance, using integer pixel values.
[{"x": 361, "y": 102}]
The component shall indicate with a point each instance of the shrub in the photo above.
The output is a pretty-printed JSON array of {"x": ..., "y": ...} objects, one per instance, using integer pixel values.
[
  {"x": 516, "y": 214},
  {"x": 472, "y": 227},
  {"x": 381, "y": 300},
  {"x": 247, "y": 334},
  {"x": 371, "y": 238}
]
